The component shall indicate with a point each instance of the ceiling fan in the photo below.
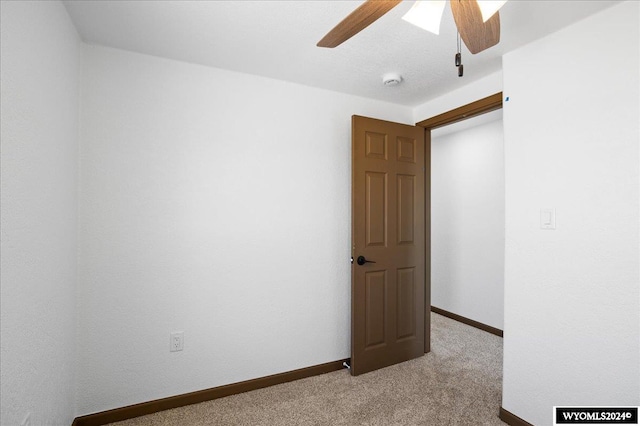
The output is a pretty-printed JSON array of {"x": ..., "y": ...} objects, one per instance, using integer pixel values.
[{"x": 478, "y": 22}]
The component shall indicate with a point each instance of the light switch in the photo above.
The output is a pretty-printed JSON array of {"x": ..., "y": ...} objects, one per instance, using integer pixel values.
[{"x": 547, "y": 218}]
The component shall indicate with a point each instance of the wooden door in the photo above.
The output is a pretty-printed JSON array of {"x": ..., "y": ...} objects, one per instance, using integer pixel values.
[{"x": 388, "y": 228}]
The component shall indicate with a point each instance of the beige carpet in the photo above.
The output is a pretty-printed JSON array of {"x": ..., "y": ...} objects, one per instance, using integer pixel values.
[{"x": 458, "y": 383}]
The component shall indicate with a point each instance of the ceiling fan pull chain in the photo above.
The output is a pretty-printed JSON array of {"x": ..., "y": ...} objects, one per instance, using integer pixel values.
[{"x": 459, "y": 57}]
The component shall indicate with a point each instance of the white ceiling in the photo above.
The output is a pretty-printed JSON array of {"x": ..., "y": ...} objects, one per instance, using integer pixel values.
[{"x": 278, "y": 39}]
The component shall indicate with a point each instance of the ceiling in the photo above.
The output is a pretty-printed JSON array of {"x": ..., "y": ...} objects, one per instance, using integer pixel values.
[{"x": 278, "y": 39}]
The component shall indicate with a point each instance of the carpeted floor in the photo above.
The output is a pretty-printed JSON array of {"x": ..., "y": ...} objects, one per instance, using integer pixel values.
[{"x": 458, "y": 383}]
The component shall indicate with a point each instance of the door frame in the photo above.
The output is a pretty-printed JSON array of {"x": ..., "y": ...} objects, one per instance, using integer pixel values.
[{"x": 479, "y": 107}]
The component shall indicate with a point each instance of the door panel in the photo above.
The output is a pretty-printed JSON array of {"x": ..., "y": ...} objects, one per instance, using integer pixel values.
[
  {"x": 376, "y": 297},
  {"x": 376, "y": 209},
  {"x": 406, "y": 307},
  {"x": 376, "y": 147},
  {"x": 406, "y": 208},
  {"x": 406, "y": 150},
  {"x": 388, "y": 225}
]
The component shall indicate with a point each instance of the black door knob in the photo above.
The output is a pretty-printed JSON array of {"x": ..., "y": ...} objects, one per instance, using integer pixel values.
[{"x": 361, "y": 260}]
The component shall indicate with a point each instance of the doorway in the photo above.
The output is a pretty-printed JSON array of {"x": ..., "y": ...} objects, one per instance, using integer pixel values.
[
  {"x": 390, "y": 216},
  {"x": 467, "y": 220},
  {"x": 460, "y": 303}
]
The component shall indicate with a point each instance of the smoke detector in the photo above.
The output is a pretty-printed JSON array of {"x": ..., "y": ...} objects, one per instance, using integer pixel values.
[{"x": 391, "y": 79}]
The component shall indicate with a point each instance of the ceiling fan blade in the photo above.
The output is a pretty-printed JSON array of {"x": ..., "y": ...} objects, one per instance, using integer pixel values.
[
  {"x": 477, "y": 35},
  {"x": 366, "y": 14}
]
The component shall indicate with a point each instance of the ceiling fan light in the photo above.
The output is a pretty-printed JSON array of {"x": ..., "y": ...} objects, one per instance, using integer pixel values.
[
  {"x": 426, "y": 14},
  {"x": 488, "y": 8}
]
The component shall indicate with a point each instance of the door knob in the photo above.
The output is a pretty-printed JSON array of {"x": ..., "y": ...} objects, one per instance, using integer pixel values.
[{"x": 361, "y": 260}]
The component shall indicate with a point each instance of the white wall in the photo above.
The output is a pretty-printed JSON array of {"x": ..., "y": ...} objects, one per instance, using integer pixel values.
[
  {"x": 572, "y": 295},
  {"x": 466, "y": 93},
  {"x": 467, "y": 219},
  {"x": 39, "y": 80},
  {"x": 214, "y": 203}
]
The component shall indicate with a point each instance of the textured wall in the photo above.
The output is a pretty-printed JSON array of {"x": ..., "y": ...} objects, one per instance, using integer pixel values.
[
  {"x": 467, "y": 219},
  {"x": 471, "y": 92},
  {"x": 39, "y": 80},
  {"x": 572, "y": 296},
  {"x": 214, "y": 203}
]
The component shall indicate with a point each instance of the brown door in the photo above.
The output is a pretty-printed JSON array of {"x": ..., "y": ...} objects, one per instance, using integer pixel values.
[{"x": 388, "y": 226}]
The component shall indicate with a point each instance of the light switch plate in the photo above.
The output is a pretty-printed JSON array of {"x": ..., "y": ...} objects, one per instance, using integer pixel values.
[{"x": 548, "y": 219}]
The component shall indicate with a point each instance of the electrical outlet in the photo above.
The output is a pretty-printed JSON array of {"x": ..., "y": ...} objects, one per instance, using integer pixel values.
[{"x": 176, "y": 342}]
